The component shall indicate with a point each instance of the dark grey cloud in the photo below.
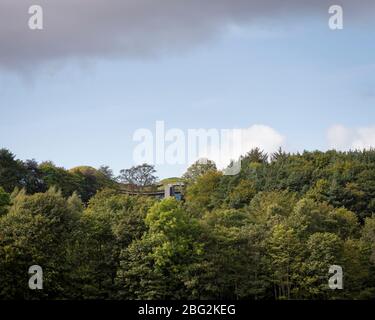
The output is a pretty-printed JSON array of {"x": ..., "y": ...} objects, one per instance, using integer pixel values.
[{"x": 137, "y": 28}]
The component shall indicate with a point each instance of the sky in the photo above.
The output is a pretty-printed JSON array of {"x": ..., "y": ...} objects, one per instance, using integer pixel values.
[{"x": 76, "y": 91}]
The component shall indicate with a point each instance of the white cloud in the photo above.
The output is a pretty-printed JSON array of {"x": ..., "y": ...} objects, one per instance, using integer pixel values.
[
  {"x": 343, "y": 138},
  {"x": 264, "y": 137},
  {"x": 236, "y": 142}
]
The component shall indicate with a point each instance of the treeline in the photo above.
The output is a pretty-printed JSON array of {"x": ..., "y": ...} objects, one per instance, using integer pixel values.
[
  {"x": 341, "y": 179},
  {"x": 270, "y": 232},
  {"x": 38, "y": 178}
]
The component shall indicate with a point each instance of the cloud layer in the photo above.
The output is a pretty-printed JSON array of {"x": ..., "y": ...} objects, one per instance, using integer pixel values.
[
  {"x": 343, "y": 138},
  {"x": 234, "y": 143},
  {"x": 136, "y": 28}
]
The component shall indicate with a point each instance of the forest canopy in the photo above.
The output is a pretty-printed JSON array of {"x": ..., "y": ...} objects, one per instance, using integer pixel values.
[{"x": 270, "y": 232}]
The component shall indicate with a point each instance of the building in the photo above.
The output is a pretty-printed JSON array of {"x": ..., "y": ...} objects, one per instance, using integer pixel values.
[{"x": 174, "y": 190}]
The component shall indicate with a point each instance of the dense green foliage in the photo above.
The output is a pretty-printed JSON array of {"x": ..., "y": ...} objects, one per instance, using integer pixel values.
[
  {"x": 270, "y": 232},
  {"x": 37, "y": 178}
]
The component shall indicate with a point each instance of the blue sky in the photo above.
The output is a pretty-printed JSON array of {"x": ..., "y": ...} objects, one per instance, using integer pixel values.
[{"x": 299, "y": 78}]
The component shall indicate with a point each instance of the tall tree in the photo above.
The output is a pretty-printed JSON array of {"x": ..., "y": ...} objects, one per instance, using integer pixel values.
[
  {"x": 158, "y": 265},
  {"x": 37, "y": 231},
  {"x": 107, "y": 172},
  {"x": 11, "y": 171},
  {"x": 141, "y": 175},
  {"x": 33, "y": 179},
  {"x": 198, "y": 169},
  {"x": 4, "y": 201}
]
